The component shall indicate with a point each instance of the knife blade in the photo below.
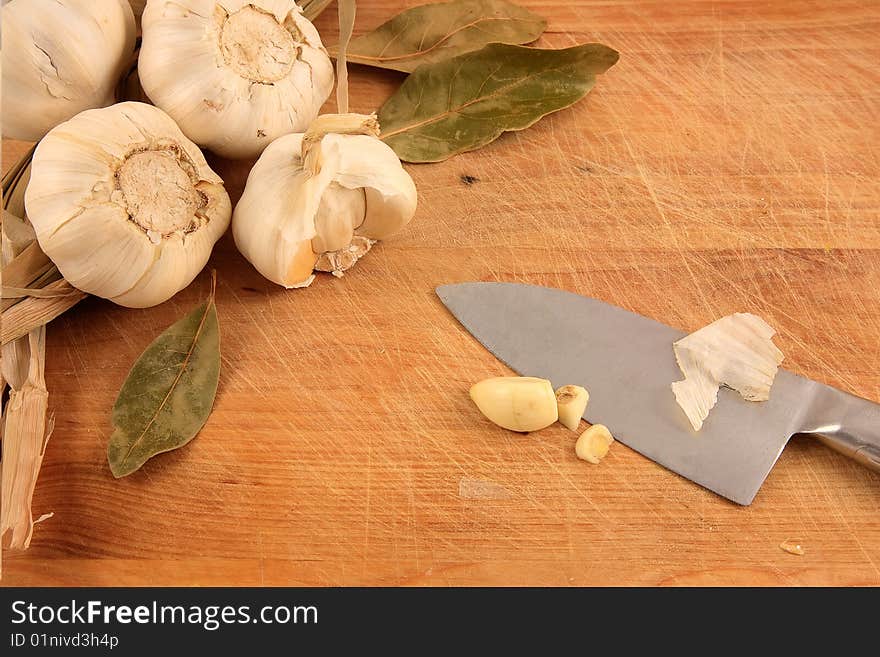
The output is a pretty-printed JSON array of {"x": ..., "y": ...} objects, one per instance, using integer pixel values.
[{"x": 627, "y": 363}]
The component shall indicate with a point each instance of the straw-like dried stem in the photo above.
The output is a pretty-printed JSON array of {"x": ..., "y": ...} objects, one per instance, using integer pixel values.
[
  {"x": 32, "y": 312},
  {"x": 24, "y": 443}
]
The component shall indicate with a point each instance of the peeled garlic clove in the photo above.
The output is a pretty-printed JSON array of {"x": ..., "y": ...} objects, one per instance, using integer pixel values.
[
  {"x": 736, "y": 351},
  {"x": 594, "y": 443},
  {"x": 124, "y": 204},
  {"x": 518, "y": 403},
  {"x": 572, "y": 402},
  {"x": 295, "y": 217},
  {"x": 234, "y": 75},
  {"x": 60, "y": 58}
]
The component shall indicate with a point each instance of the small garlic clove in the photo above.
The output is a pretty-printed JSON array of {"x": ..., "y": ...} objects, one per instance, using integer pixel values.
[
  {"x": 390, "y": 191},
  {"x": 572, "y": 402},
  {"x": 593, "y": 444},
  {"x": 517, "y": 403},
  {"x": 274, "y": 221}
]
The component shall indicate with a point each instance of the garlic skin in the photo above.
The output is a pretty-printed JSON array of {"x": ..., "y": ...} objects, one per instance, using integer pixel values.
[
  {"x": 290, "y": 222},
  {"x": 124, "y": 204},
  {"x": 60, "y": 58},
  {"x": 736, "y": 351},
  {"x": 234, "y": 74}
]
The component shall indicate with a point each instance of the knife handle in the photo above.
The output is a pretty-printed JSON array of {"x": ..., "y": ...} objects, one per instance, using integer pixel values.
[{"x": 847, "y": 424}]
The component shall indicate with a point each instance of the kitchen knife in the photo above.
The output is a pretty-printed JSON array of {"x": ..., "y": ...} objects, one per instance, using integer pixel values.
[{"x": 626, "y": 362}]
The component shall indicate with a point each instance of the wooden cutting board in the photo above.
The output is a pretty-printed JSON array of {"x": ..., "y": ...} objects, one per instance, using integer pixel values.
[{"x": 729, "y": 162}]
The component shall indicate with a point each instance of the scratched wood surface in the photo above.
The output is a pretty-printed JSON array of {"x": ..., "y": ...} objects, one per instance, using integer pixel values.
[{"x": 729, "y": 162}]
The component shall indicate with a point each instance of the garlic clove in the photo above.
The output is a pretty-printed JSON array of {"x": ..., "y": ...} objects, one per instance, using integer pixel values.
[
  {"x": 124, "y": 204},
  {"x": 341, "y": 211},
  {"x": 517, "y": 403},
  {"x": 572, "y": 402},
  {"x": 234, "y": 75},
  {"x": 594, "y": 443},
  {"x": 60, "y": 58}
]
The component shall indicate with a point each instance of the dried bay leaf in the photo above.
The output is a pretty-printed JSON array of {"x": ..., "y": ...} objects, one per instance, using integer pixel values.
[
  {"x": 463, "y": 103},
  {"x": 168, "y": 395},
  {"x": 434, "y": 32}
]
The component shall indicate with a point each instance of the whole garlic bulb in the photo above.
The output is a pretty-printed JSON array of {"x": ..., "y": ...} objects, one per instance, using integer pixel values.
[
  {"x": 124, "y": 204},
  {"x": 325, "y": 209},
  {"x": 234, "y": 74},
  {"x": 60, "y": 58}
]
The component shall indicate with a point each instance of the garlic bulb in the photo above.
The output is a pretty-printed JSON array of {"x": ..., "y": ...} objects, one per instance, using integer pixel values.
[
  {"x": 124, "y": 204},
  {"x": 735, "y": 351},
  {"x": 60, "y": 58},
  {"x": 234, "y": 74},
  {"x": 323, "y": 209}
]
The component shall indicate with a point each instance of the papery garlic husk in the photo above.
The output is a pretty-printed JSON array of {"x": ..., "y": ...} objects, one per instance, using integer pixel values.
[
  {"x": 124, "y": 204},
  {"x": 292, "y": 220},
  {"x": 234, "y": 74},
  {"x": 60, "y": 58},
  {"x": 735, "y": 351}
]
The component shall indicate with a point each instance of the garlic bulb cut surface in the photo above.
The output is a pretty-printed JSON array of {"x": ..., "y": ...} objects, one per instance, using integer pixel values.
[
  {"x": 293, "y": 218},
  {"x": 234, "y": 74},
  {"x": 124, "y": 204},
  {"x": 735, "y": 351},
  {"x": 60, "y": 58}
]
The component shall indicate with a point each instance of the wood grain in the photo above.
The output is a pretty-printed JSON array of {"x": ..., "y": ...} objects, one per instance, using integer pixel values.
[{"x": 729, "y": 162}]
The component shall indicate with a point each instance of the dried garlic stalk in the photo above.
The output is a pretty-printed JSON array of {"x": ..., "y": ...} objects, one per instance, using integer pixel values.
[
  {"x": 31, "y": 286},
  {"x": 25, "y": 433},
  {"x": 26, "y": 267},
  {"x": 735, "y": 351}
]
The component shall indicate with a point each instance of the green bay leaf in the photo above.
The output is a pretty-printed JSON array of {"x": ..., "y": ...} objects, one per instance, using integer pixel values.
[
  {"x": 168, "y": 394},
  {"x": 434, "y": 32},
  {"x": 463, "y": 103}
]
